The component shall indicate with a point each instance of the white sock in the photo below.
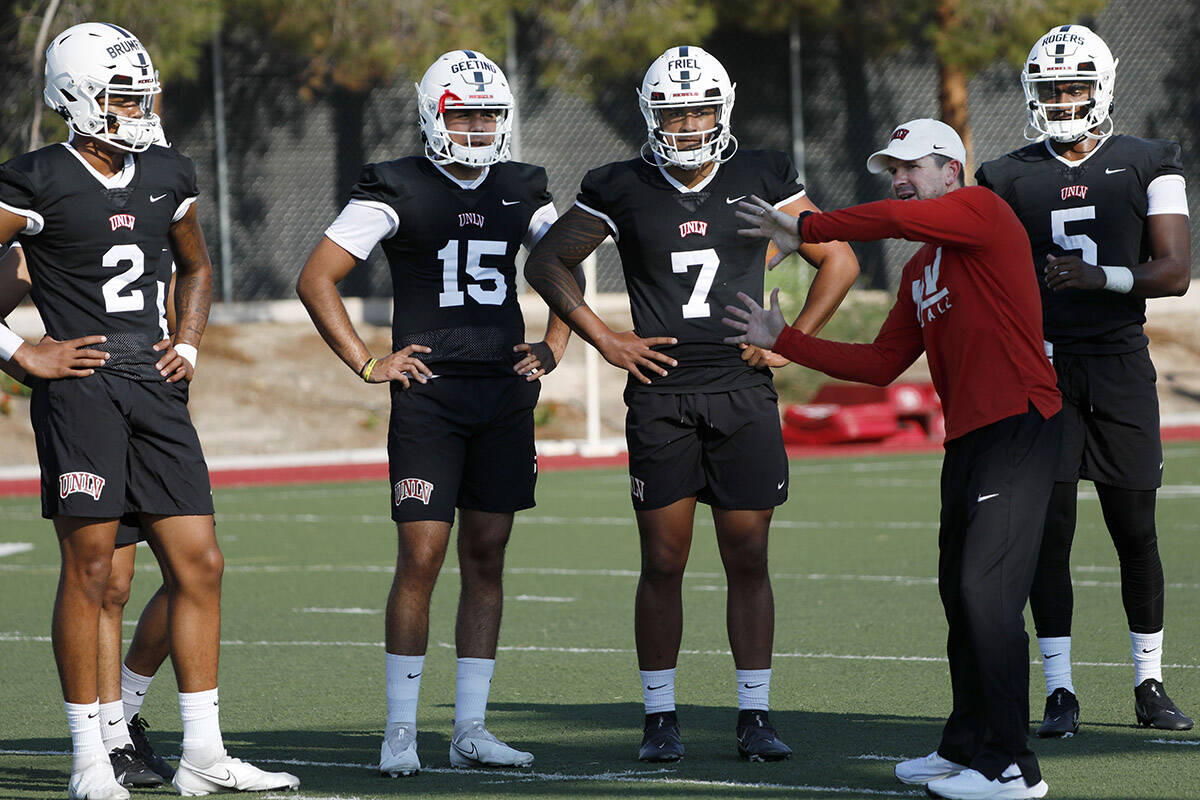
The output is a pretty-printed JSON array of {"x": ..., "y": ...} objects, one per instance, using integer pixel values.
[
  {"x": 133, "y": 691},
  {"x": 754, "y": 689},
  {"x": 1056, "y": 663},
  {"x": 202, "y": 743},
  {"x": 403, "y": 676},
  {"x": 1147, "y": 656},
  {"x": 84, "y": 722},
  {"x": 113, "y": 729},
  {"x": 658, "y": 689},
  {"x": 471, "y": 688}
]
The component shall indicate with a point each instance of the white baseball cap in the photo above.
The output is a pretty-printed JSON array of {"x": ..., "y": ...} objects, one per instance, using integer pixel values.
[{"x": 918, "y": 138}]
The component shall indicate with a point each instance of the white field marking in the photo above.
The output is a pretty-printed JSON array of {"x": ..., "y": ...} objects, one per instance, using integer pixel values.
[
  {"x": 876, "y": 757},
  {"x": 890, "y": 483},
  {"x": 708, "y": 588},
  {"x": 338, "y": 610},
  {"x": 533, "y": 598},
  {"x": 1095, "y": 568},
  {"x": 1184, "y": 742},
  {"x": 12, "y": 548},
  {"x": 657, "y": 776}
]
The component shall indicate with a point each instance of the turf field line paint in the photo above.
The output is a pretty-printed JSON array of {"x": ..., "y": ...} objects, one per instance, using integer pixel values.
[
  {"x": 1184, "y": 742},
  {"x": 338, "y": 610},
  {"x": 877, "y": 757},
  {"x": 12, "y": 548},
  {"x": 533, "y": 598}
]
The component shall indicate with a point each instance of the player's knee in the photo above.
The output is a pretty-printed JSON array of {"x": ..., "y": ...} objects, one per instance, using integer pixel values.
[
  {"x": 89, "y": 574},
  {"x": 204, "y": 570},
  {"x": 116, "y": 591},
  {"x": 663, "y": 566},
  {"x": 420, "y": 561}
]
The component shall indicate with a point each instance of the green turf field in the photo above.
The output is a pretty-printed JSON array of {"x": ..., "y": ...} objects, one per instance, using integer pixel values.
[{"x": 860, "y": 678}]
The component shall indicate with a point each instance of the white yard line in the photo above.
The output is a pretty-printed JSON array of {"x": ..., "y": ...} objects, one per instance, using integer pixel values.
[
  {"x": 12, "y": 548},
  {"x": 1183, "y": 742}
]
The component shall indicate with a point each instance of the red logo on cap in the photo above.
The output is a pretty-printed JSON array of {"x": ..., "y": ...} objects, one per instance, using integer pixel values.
[{"x": 899, "y": 133}]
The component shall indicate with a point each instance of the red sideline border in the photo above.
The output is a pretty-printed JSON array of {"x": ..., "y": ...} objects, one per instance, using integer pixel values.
[{"x": 329, "y": 473}]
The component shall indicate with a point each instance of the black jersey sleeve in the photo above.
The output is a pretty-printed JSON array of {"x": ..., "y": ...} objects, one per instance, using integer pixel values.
[
  {"x": 593, "y": 198},
  {"x": 785, "y": 185},
  {"x": 19, "y": 196},
  {"x": 1166, "y": 159},
  {"x": 378, "y": 183}
]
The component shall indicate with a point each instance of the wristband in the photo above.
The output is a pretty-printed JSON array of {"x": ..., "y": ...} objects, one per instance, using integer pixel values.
[
  {"x": 365, "y": 372},
  {"x": 800, "y": 224},
  {"x": 188, "y": 353},
  {"x": 1118, "y": 279},
  {"x": 9, "y": 342}
]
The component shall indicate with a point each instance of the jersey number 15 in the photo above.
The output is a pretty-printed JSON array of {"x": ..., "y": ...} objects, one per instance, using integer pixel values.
[{"x": 451, "y": 295}]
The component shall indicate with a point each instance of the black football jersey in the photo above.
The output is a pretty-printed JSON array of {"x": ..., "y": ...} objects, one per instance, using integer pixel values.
[
  {"x": 684, "y": 260},
  {"x": 453, "y": 259},
  {"x": 1095, "y": 209},
  {"x": 97, "y": 263}
]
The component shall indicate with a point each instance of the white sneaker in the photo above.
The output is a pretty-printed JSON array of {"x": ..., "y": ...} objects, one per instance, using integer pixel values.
[
  {"x": 919, "y": 771},
  {"x": 398, "y": 753},
  {"x": 474, "y": 746},
  {"x": 92, "y": 779},
  {"x": 972, "y": 785},
  {"x": 228, "y": 774}
]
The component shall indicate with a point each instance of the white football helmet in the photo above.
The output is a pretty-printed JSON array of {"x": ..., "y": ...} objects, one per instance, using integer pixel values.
[
  {"x": 1069, "y": 53},
  {"x": 84, "y": 65},
  {"x": 687, "y": 76},
  {"x": 464, "y": 79}
]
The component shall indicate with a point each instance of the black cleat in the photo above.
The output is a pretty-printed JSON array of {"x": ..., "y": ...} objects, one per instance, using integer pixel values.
[
  {"x": 130, "y": 770},
  {"x": 1062, "y": 715},
  {"x": 1155, "y": 710},
  {"x": 661, "y": 741},
  {"x": 137, "y": 732},
  {"x": 757, "y": 739}
]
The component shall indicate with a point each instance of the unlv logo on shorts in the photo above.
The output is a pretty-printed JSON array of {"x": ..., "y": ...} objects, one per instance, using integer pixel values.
[
  {"x": 122, "y": 221},
  {"x": 413, "y": 488},
  {"x": 637, "y": 487},
  {"x": 85, "y": 482}
]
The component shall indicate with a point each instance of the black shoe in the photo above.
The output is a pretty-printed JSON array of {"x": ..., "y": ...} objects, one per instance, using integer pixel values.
[
  {"x": 137, "y": 732},
  {"x": 661, "y": 741},
  {"x": 129, "y": 769},
  {"x": 1155, "y": 710},
  {"x": 1062, "y": 715},
  {"x": 757, "y": 739}
]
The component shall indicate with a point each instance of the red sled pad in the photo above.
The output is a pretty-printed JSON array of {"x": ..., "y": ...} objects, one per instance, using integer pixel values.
[{"x": 819, "y": 424}]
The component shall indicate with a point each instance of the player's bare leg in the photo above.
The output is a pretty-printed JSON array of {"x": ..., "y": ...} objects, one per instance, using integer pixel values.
[
  {"x": 86, "y": 547},
  {"x": 666, "y": 540},
  {"x": 420, "y": 551},
  {"x": 482, "y": 537},
  {"x": 149, "y": 649},
  {"x": 750, "y": 619},
  {"x": 187, "y": 549}
]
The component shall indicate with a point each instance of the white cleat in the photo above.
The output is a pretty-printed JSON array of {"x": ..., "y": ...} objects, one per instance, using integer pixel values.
[
  {"x": 972, "y": 785},
  {"x": 92, "y": 779},
  {"x": 474, "y": 746},
  {"x": 920, "y": 771},
  {"x": 228, "y": 774},
  {"x": 398, "y": 753}
]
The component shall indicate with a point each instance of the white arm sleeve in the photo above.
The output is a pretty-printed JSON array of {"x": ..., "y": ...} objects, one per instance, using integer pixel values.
[
  {"x": 362, "y": 225},
  {"x": 539, "y": 223},
  {"x": 183, "y": 207},
  {"x": 33, "y": 220},
  {"x": 1167, "y": 194}
]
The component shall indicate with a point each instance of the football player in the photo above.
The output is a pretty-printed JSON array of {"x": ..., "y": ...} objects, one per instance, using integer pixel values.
[
  {"x": 463, "y": 380},
  {"x": 122, "y": 687},
  {"x": 1107, "y": 215},
  {"x": 94, "y": 215},
  {"x": 967, "y": 300},
  {"x": 706, "y": 429}
]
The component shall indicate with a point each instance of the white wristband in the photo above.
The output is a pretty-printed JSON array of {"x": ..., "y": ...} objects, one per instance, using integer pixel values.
[
  {"x": 1118, "y": 279},
  {"x": 188, "y": 353},
  {"x": 9, "y": 342}
]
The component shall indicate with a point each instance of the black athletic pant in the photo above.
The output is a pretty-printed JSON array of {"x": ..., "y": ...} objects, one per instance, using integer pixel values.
[
  {"x": 996, "y": 484},
  {"x": 1129, "y": 516}
]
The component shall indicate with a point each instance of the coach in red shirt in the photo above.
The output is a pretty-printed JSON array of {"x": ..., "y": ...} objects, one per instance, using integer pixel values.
[{"x": 969, "y": 300}]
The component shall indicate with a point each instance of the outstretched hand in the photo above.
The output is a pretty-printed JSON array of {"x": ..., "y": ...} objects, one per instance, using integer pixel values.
[
  {"x": 760, "y": 327},
  {"x": 768, "y": 222}
]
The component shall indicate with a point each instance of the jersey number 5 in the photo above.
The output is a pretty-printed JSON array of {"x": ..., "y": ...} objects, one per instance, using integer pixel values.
[
  {"x": 708, "y": 261},
  {"x": 451, "y": 295},
  {"x": 1059, "y": 218}
]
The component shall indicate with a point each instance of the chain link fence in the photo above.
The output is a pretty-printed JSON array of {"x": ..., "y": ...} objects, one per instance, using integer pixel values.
[{"x": 292, "y": 161}]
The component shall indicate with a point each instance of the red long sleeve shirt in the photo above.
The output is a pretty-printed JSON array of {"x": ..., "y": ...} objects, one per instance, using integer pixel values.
[{"x": 967, "y": 298}]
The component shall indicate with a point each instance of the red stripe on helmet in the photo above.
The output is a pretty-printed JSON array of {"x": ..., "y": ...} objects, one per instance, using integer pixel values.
[{"x": 446, "y": 95}]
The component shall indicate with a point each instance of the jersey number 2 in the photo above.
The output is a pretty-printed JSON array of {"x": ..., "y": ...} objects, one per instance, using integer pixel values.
[
  {"x": 114, "y": 302},
  {"x": 451, "y": 295},
  {"x": 708, "y": 261}
]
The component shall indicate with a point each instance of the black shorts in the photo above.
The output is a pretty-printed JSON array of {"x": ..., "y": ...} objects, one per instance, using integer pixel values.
[
  {"x": 464, "y": 442},
  {"x": 1110, "y": 420},
  {"x": 129, "y": 531},
  {"x": 724, "y": 448},
  {"x": 108, "y": 445}
]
